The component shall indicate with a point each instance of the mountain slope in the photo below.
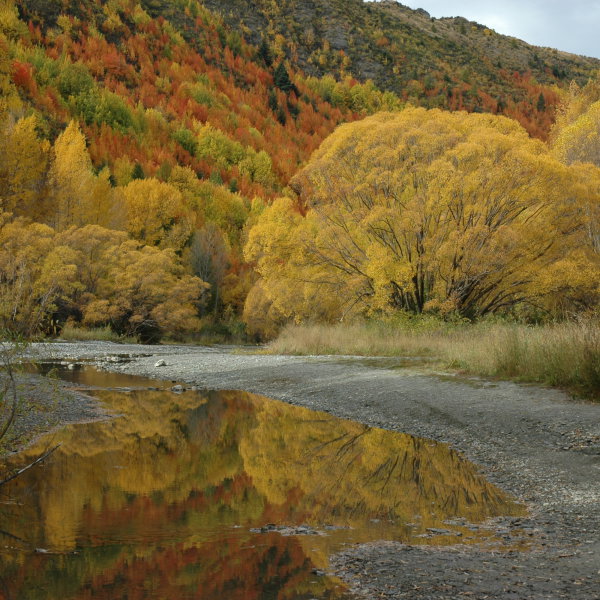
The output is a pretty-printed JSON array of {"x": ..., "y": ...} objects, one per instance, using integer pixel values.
[
  {"x": 172, "y": 124},
  {"x": 148, "y": 89},
  {"x": 448, "y": 63}
]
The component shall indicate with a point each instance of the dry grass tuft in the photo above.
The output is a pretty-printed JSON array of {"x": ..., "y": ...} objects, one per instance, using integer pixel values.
[
  {"x": 360, "y": 339},
  {"x": 98, "y": 334},
  {"x": 565, "y": 355}
]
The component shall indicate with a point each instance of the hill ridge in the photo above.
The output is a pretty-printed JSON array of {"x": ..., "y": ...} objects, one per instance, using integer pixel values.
[{"x": 448, "y": 63}]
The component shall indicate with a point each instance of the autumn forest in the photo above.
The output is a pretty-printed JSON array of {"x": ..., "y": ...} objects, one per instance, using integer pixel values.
[{"x": 165, "y": 172}]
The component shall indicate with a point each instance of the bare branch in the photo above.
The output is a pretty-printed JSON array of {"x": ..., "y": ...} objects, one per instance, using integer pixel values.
[{"x": 32, "y": 464}]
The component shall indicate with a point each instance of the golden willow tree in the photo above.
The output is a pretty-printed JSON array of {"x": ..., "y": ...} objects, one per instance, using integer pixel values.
[
  {"x": 422, "y": 211},
  {"x": 575, "y": 141},
  {"x": 60, "y": 261},
  {"x": 576, "y": 133}
]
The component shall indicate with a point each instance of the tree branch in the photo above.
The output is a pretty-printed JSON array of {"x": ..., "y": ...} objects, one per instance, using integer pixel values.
[{"x": 39, "y": 459}]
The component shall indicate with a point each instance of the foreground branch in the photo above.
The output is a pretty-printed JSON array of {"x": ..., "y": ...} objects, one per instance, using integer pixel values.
[{"x": 35, "y": 462}]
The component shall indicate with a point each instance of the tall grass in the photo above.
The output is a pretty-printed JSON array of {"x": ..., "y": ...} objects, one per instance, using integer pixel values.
[
  {"x": 97, "y": 334},
  {"x": 565, "y": 355}
]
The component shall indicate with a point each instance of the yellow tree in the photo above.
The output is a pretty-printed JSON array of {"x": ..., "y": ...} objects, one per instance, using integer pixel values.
[
  {"x": 576, "y": 102},
  {"x": 575, "y": 141},
  {"x": 23, "y": 167},
  {"x": 94, "y": 273},
  {"x": 103, "y": 205},
  {"x": 71, "y": 178},
  {"x": 36, "y": 273},
  {"x": 420, "y": 210},
  {"x": 144, "y": 292},
  {"x": 572, "y": 282},
  {"x": 579, "y": 140},
  {"x": 292, "y": 284},
  {"x": 156, "y": 214},
  {"x": 211, "y": 203},
  {"x": 95, "y": 252}
]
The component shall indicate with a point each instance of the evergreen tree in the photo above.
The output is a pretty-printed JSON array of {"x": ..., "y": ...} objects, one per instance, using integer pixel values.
[
  {"x": 541, "y": 103},
  {"x": 281, "y": 116},
  {"x": 282, "y": 79},
  {"x": 138, "y": 172},
  {"x": 293, "y": 109},
  {"x": 215, "y": 177},
  {"x": 273, "y": 104},
  {"x": 264, "y": 53}
]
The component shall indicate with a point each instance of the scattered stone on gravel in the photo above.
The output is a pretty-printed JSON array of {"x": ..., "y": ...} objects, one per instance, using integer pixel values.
[
  {"x": 160, "y": 363},
  {"x": 392, "y": 570},
  {"x": 44, "y": 405},
  {"x": 287, "y": 530}
]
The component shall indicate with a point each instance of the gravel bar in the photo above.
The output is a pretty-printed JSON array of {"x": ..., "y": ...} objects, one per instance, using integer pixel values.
[{"x": 535, "y": 443}]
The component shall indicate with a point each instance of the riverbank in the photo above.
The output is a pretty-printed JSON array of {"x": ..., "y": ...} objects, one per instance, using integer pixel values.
[
  {"x": 564, "y": 355},
  {"x": 45, "y": 405},
  {"x": 534, "y": 443}
]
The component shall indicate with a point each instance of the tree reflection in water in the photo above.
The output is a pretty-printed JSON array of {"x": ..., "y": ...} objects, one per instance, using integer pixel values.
[{"x": 160, "y": 502}]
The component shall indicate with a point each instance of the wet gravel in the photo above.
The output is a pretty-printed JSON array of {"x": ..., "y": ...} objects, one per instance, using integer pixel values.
[
  {"x": 43, "y": 406},
  {"x": 535, "y": 443}
]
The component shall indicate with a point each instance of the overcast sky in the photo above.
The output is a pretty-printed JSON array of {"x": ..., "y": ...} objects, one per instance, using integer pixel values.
[{"x": 570, "y": 25}]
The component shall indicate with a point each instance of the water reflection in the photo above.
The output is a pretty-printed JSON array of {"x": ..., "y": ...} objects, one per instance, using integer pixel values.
[
  {"x": 165, "y": 501},
  {"x": 89, "y": 375}
]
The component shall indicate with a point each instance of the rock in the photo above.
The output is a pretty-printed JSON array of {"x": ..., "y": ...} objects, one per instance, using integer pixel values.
[
  {"x": 286, "y": 530},
  {"x": 437, "y": 531},
  {"x": 71, "y": 366},
  {"x": 177, "y": 389},
  {"x": 160, "y": 363}
]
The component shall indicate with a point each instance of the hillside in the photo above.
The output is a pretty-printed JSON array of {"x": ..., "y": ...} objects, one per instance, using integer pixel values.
[
  {"x": 138, "y": 84},
  {"x": 172, "y": 98},
  {"x": 446, "y": 63},
  {"x": 104, "y": 63},
  {"x": 146, "y": 138}
]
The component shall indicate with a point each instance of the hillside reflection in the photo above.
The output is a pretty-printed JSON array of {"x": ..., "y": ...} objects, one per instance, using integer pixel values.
[{"x": 161, "y": 501}]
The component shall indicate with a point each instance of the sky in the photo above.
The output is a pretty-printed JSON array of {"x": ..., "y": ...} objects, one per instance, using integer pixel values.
[{"x": 570, "y": 25}]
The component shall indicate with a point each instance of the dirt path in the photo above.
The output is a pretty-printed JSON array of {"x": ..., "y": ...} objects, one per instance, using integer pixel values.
[{"x": 534, "y": 443}]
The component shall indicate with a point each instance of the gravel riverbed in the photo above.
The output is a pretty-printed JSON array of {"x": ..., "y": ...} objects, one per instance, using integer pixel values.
[{"x": 537, "y": 444}]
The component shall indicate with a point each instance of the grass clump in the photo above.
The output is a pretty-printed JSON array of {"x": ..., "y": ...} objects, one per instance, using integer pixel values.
[
  {"x": 360, "y": 339},
  {"x": 565, "y": 355},
  {"x": 70, "y": 333}
]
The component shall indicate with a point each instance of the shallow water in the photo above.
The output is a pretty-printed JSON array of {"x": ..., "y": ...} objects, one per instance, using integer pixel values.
[{"x": 223, "y": 495}]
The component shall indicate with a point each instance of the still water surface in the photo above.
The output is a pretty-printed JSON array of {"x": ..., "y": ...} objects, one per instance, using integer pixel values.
[{"x": 201, "y": 495}]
